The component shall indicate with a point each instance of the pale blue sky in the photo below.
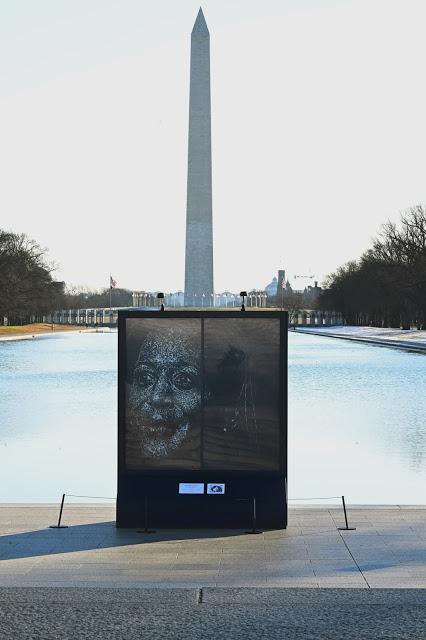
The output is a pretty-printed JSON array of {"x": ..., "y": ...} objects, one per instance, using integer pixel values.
[{"x": 318, "y": 129}]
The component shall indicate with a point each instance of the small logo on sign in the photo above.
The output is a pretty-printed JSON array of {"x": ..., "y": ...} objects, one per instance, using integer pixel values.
[{"x": 216, "y": 488}]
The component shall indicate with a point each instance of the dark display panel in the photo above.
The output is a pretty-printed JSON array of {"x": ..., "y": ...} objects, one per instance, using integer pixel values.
[
  {"x": 241, "y": 413},
  {"x": 202, "y": 393}
]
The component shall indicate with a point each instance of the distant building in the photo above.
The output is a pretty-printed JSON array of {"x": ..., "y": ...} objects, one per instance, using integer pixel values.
[
  {"x": 144, "y": 298},
  {"x": 281, "y": 280},
  {"x": 272, "y": 288},
  {"x": 312, "y": 293},
  {"x": 288, "y": 287},
  {"x": 149, "y": 299},
  {"x": 175, "y": 299}
]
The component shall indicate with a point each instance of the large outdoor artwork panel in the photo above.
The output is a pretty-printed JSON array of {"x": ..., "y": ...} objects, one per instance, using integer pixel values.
[{"x": 202, "y": 393}]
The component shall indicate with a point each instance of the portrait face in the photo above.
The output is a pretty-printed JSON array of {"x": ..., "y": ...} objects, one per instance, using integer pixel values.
[{"x": 164, "y": 396}]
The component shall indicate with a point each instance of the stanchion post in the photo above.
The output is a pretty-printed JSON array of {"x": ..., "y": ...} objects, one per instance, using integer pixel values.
[
  {"x": 347, "y": 528},
  {"x": 146, "y": 530},
  {"x": 254, "y": 531},
  {"x": 59, "y": 525}
]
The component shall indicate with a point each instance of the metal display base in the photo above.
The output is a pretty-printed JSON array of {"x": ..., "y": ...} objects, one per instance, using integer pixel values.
[{"x": 165, "y": 508}]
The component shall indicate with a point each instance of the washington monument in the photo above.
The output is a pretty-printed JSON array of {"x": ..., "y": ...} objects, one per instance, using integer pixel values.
[{"x": 199, "y": 230}]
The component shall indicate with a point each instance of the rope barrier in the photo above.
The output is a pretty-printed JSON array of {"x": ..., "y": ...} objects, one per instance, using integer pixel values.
[
  {"x": 326, "y": 498},
  {"x": 72, "y": 495},
  {"x": 254, "y": 530}
]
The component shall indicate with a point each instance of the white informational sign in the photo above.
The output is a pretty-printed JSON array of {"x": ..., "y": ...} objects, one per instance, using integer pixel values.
[
  {"x": 191, "y": 487},
  {"x": 216, "y": 488}
]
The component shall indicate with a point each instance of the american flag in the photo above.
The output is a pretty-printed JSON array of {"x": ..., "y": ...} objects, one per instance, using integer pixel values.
[
  {"x": 283, "y": 284},
  {"x": 112, "y": 282}
]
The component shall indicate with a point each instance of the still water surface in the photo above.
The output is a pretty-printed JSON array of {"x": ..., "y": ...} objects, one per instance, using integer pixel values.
[{"x": 357, "y": 419}]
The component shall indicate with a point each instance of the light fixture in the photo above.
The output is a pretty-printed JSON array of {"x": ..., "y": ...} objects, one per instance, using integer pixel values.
[{"x": 160, "y": 296}]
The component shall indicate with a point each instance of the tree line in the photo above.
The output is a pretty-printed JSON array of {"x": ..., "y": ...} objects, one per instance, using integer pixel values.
[
  {"x": 81, "y": 298},
  {"x": 27, "y": 288},
  {"x": 386, "y": 286}
]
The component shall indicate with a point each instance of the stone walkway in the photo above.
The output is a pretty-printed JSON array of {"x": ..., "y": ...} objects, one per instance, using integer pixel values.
[
  {"x": 387, "y": 550},
  {"x": 411, "y": 340},
  {"x": 76, "y": 613}
]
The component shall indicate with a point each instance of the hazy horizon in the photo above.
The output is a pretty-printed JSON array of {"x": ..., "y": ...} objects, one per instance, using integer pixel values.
[{"x": 318, "y": 133}]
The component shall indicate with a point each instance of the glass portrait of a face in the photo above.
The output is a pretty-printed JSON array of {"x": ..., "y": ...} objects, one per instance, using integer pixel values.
[
  {"x": 164, "y": 393},
  {"x": 202, "y": 393}
]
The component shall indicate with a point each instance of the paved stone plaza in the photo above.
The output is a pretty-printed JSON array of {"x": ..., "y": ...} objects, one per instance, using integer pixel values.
[
  {"x": 94, "y": 581},
  {"x": 387, "y": 550}
]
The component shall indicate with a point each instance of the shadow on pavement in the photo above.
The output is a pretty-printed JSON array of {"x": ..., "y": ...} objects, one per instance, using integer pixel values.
[{"x": 87, "y": 537}]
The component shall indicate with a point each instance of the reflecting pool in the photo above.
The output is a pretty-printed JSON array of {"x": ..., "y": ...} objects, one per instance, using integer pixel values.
[{"x": 356, "y": 419}]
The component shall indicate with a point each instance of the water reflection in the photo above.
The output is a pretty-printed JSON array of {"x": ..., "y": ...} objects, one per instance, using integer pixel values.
[
  {"x": 57, "y": 416},
  {"x": 356, "y": 419}
]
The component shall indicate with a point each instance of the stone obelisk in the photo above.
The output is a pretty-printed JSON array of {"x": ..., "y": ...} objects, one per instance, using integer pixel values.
[{"x": 199, "y": 228}]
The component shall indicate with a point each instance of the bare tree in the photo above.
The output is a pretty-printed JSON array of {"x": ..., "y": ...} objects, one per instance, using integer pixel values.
[
  {"x": 26, "y": 284},
  {"x": 387, "y": 285}
]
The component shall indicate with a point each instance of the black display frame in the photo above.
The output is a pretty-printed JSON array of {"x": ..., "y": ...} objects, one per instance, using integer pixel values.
[{"x": 149, "y": 497}]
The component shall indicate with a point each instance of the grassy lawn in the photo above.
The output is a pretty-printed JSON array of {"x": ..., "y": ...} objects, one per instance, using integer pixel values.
[{"x": 31, "y": 329}]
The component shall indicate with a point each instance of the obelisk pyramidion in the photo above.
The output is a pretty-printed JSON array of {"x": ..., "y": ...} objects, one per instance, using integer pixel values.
[{"x": 199, "y": 229}]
